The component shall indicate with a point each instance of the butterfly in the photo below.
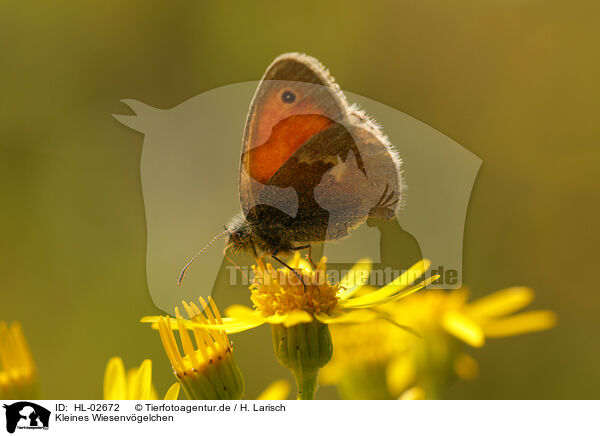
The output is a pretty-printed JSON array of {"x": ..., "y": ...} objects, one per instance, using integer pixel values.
[{"x": 312, "y": 167}]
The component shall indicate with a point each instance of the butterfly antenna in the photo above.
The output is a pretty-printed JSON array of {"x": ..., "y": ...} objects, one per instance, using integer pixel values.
[{"x": 187, "y": 265}]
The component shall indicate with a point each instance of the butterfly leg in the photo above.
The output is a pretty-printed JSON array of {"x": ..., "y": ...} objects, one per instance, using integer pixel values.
[
  {"x": 385, "y": 206},
  {"x": 309, "y": 255},
  {"x": 274, "y": 256},
  {"x": 387, "y": 201}
]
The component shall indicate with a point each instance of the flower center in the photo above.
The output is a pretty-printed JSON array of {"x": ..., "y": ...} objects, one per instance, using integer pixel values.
[{"x": 281, "y": 291}]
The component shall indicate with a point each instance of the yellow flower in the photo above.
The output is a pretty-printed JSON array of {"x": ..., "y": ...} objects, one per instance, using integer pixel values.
[
  {"x": 206, "y": 370},
  {"x": 361, "y": 356},
  {"x": 490, "y": 316},
  {"x": 18, "y": 374},
  {"x": 135, "y": 385},
  {"x": 301, "y": 304},
  {"x": 280, "y": 297},
  {"x": 435, "y": 357}
]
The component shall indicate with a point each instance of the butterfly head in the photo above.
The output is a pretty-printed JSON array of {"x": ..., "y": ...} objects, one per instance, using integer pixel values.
[{"x": 240, "y": 235}]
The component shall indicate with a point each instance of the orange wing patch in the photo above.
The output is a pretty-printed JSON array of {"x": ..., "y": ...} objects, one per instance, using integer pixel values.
[{"x": 286, "y": 137}]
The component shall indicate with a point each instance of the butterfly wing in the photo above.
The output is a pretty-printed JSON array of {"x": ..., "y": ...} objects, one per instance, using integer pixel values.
[
  {"x": 296, "y": 99},
  {"x": 346, "y": 173},
  {"x": 306, "y": 153}
]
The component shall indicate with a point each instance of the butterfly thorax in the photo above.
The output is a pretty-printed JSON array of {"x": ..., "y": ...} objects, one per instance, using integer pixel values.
[
  {"x": 266, "y": 230},
  {"x": 253, "y": 237}
]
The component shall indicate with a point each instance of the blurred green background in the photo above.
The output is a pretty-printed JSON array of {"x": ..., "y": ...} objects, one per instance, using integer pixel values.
[{"x": 515, "y": 82}]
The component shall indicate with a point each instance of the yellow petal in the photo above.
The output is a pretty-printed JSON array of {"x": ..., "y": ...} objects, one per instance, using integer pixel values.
[
  {"x": 296, "y": 317},
  {"x": 278, "y": 390},
  {"x": 378, "y": 297},
  {"x": 146, "y": 379},
  {"x": 173, "y": 392},
  {"x": 501, "y": 303},
  {"x": 114, "y": 380},
  {"x": 275, "y": 319},
  {"x": 355, "y": 278},
  {"x": 242, "y": 313},
  {"x": 466, "y": 367},
  {"x": 139, "y": 382},
  {"x": 19, "y": 353},
  {"x": 416, "y": 393},
  {"x": 400, "y": 373},
  {"x": 152, "y": 319},
  {"x": 412, "y": 274},
  {"x": 239, "y": 318},
  {"x": 464, "y": 328},
  {"x": 230, "y": 325},
  {"x": 398, "y": 284},
  {"x": 527, "y": 322},
  {"x": 350, "y": 317}
]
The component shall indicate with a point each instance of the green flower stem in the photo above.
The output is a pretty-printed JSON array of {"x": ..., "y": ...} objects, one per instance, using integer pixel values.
[{"x": 307, "y": 386}]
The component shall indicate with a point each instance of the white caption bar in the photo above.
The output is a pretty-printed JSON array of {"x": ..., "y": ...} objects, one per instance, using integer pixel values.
[{"x": 290, "y": 417}]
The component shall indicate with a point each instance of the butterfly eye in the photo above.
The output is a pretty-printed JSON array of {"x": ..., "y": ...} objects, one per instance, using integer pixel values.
[{"x": 288, "y": 97}]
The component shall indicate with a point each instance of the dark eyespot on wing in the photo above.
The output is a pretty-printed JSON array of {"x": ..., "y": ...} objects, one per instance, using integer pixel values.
[{"x": 288, "y": 96}]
